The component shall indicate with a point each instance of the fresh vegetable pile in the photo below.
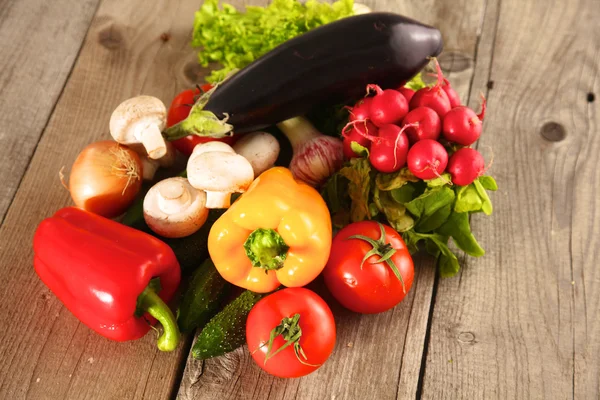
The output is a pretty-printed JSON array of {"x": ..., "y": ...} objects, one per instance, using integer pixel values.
[
  {"x": 411, "y": 166},
  {"x": 198, "y": 200}
]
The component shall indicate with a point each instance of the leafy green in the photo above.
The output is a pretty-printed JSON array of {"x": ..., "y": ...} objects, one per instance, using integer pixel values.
[
  {"x": 457, "y": 226},
  {"x": 359, "y": 150},
  {"x": 405, "y": 193},
  {"x": 234, "y": 39},
  {"x": 436, "y": 245},
  {"x": 488, "y": 183},
  {"x": 394, "y": 180},
  {"x": 358, "y": 173},
  {"x": 394, "y": 212},
  {"x": 432, "y": 208},
  {"x": 486, "y": 203},
  {"x": 441, "y": 180},
  {"x": 427, "y": 213},
  {"x": 416, "y": 83},
  {"x": 467, "y": 200},
  {"x": 474, "y": 198}
]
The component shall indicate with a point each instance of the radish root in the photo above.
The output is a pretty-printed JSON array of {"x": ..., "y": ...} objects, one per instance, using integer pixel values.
[
  {"x": 397, "y": 141},
  {"x": 364, "y": 134}
]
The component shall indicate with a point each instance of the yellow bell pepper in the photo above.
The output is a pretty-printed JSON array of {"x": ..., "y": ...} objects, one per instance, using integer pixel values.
[{"x": 277, "y": 233}]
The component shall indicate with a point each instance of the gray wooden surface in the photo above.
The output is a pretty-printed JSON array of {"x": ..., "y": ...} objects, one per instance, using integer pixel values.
[{"x": 517, "y": 323}]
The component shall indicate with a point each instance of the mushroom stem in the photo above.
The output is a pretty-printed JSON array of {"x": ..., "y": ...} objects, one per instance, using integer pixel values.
[
  {"x": 153, "y": 141},
  {"x": 168, "y": 160},
  {"x": 173, "y": 197},
  {"x": 149, "y": 168},
  {"x": 218, "y": 199}
]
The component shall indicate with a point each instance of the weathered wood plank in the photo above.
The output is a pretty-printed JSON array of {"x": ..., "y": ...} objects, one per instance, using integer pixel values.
[
  {"x": 46, "y": 353},
  {"x": 376, "y": 356},
  {"x": 39, "y": 42},
  {"x": 520, "y": 322}
]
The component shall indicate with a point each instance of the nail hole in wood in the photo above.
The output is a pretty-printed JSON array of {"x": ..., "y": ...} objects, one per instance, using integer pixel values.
[
  {"x": 454, "y": 61},
  {"x": 165, "y": 37},
  {"x": 110, "y": 37},
  {"x": 591, "y": 97},
  {"x": 466, "y": 337},
  {"x": 192, "y": 70},
  {"x": 490, "y": 85},
  {"x": 553, "y": 132}
]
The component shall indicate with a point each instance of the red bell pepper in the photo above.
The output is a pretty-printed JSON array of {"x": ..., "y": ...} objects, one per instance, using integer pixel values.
[{"x": 108, "y": 274}]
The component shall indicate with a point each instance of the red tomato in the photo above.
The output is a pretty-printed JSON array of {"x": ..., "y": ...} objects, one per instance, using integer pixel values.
[
  {"x": 179, "y": 110},
  {"x": 298, "y": 309},
  {"x": 362, "y": 284}
]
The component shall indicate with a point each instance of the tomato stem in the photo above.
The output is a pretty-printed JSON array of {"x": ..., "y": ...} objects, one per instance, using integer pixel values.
[
  {"x": 384, "y": 250},
  {"x": 290, "y": 330}
]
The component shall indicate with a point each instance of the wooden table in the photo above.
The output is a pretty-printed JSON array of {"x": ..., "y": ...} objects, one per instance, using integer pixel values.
[{"x": 520, "y": 322}]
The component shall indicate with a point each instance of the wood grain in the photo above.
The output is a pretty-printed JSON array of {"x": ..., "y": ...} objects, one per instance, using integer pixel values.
[
  {"x": 46, "y": 353},
  {"x": 375, "y": 355},
  {"x": 520, "y": 322},
  {"x": 39, "y": 42}
]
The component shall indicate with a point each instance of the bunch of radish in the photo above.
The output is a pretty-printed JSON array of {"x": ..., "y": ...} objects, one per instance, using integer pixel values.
[{"x": 429, "y": 131}]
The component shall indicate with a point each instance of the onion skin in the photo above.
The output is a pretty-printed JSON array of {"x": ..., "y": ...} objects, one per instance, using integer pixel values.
[{"x": 105, "y": 178}]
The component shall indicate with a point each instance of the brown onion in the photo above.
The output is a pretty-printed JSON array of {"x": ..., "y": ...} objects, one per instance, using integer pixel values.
[{"x": 105, "y": 178}]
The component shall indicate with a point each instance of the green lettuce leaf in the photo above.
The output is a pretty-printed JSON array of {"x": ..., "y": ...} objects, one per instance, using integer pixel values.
[
  {"x": 234, "y": 39},
  {"x": 416, "y": 83}
]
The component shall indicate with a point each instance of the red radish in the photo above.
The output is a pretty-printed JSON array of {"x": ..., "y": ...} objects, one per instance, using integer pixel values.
[
  {"x": 427, "y": 124},
  {"x": 407, "y": 93},
  {"x": 360, "y": 134},
  {"x": 451, "y": 93},
  {"x": 360, "y": 111},
  {"x": 462, "y": 126},
  {"x": 466, "y": 165},
  {"x": 388, "y": 106},
  {"x": 433, "y": 97},
  {"x": 427, "y": 159},
  {"x": 388, "y": 153}
]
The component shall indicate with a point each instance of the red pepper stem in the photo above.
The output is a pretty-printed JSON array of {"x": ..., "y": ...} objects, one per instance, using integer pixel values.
[{"x": 151, "y": 303}]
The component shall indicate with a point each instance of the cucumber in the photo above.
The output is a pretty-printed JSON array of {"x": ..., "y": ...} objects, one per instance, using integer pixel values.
[
  {"x": 207, "y": 289},
  {"x": 226, "y": 331}
]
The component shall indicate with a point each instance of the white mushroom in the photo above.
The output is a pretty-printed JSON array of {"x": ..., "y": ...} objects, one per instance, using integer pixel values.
[
  {"x": 260, "y": 148},
  {"x": 138, "y": 123},
  {"x": 212, "y": 146},
  {"x": 174, "y": 209},
  {"x": 219, "y": 173}
]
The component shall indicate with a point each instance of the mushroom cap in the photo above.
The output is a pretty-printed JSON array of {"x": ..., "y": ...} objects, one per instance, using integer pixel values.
[
  {"x": 212, "y": 146},
  {"x": 219, "y": 171},
  {"x": 134, "y": 116},
  {"x": 173, "y": 208},
  {"x": 260, "y": 148}
]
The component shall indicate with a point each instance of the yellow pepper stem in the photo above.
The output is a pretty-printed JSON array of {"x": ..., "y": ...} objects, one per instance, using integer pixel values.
[{"x": 266, "y": 249}]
